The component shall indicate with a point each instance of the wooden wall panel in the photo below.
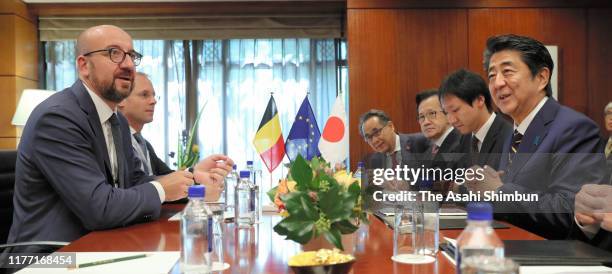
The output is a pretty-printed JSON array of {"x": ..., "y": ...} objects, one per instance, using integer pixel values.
[
  {"x": 565, "y": 28},
  {"x": 599, "y": 61},
  {"x": 393, "y": 54}
]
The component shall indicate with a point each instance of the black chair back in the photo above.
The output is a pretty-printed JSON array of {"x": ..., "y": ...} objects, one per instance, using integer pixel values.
[{"x": 7, "y": 187}]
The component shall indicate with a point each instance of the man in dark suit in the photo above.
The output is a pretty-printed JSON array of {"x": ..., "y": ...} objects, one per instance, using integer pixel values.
[
  {"x": 76, "y": 171},
  {"x": 138, "y": 109},
  {"x": 390, "y": 148},
  {"x": 465, "y": 98},
  {"x": 446, "y": 144},
  {"x": 553, "y": 151}
]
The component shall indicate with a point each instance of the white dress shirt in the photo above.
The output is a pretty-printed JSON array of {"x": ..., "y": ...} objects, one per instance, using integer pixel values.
[
  {"x": 484, "y": 129},
  {"x": 104, "y": 113}
]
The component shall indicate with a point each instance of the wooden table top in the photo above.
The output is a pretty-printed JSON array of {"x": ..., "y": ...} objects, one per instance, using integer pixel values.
[{"x": 261, "y": 250}]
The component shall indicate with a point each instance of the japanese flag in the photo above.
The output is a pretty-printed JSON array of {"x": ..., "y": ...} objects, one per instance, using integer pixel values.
[{"x": 334, "y": 142}]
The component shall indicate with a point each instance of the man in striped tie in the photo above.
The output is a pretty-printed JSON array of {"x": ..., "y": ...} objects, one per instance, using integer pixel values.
[{"x": 553, "y": 151}]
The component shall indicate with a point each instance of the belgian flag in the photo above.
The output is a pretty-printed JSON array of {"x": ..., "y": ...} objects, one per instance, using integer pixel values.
[{"x": 268, "y": 140}]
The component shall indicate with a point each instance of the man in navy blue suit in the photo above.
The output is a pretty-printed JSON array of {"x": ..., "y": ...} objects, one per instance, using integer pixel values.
[
  {"x": 553, "y": 151},
  {"x": 76, "y": 171}
]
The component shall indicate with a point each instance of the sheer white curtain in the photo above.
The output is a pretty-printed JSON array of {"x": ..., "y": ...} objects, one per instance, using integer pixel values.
[{"x": 235, "y": 78}]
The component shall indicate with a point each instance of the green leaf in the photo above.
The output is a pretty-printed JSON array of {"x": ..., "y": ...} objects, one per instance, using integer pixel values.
[
  {"x": 272, "y": 193},
  {"x": 301, "y": 173},
  {"x": 345, "y": 226},
  {"x": 333, "y": 236},
  {"x": 299, "y": 205},
  {"x": 295, "y": 229},
  {"x": 354, "y": 189},
  {"x": 336, "y": 204}
]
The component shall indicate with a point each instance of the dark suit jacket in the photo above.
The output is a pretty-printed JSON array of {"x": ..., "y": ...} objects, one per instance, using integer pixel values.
[
  {"x": 451, "y": 152},
  {"x": 560, "y": 151},
  {"x": 157, "y": 165},
  {"x": 63, "y": 175},
  {"x": 493, "y": 144}
]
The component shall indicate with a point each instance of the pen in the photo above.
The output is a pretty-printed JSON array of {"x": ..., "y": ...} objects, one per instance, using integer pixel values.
[{"x": 108, "y": 261}]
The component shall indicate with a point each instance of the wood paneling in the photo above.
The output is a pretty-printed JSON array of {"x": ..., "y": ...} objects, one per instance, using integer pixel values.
[
  {"x": 26, "y": 49},
  {"x": 12, "y": 87},
  {"x": 8, "y": 143},
  {"x": 413, "y": 4},
  {"x": 565, "y": 28},
  {"x": 18, "y": 8},
  {"x": 189, "y": 8},
  {"x": 599, "y": 61},
  {"x": 394, "y": 54}
]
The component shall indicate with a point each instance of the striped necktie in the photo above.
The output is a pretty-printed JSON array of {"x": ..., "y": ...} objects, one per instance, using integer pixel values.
[{"x": 517, "y": 137}]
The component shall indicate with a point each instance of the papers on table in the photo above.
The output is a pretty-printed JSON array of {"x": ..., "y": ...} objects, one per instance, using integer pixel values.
[
  {"x": 156, "y": 262},
  {"x": 563, "y": 269}
]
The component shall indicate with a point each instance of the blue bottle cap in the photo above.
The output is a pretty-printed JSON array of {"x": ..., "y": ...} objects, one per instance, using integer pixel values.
[
  {"x": 245, "y": 174},
  {"x": 234, "y": 167},
  {"x": 480, "y": 211},
  {"x": 249, "y": 163},
  {"x": 196, "y": 191},
  {"x": 360, "y": 164}
]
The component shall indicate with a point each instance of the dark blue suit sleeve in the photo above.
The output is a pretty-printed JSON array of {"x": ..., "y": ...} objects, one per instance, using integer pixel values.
[{"x": 64, "y": 153}]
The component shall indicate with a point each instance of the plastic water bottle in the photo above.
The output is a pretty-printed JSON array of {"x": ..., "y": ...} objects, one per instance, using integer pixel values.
[
  {"x": 255, "y": 189},
  {"x": 358, "y": 172},
  {"x": 478, "y": 238},
  {"x": 230, "y": 185},
  {"x": 244, "y": 213},
  {"x": 196, "y": 233}
]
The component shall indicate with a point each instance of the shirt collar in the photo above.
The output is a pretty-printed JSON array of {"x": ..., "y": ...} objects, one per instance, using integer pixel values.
[
  {"x": 522, "y": 127},
  {"x": 104, "y": 111},
  {"x": 484, "y": 129},
  {"x": 397, "y": 143},
  {"x": 132, "y": 130},
  {"x": 438, "y": 142}
]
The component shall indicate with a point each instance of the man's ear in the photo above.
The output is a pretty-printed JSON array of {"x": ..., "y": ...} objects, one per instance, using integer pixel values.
[
  {"x": 544, "y": 78},
  {"x": 82, "y": 67}
]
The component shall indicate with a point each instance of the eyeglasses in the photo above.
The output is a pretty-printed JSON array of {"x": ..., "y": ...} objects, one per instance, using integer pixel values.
[
  {"x": 118, "y": 55},
  {"x": 430, "y": 115},
  {"x": 147, "y": 96},
  {"x": 375, "y": 133}
]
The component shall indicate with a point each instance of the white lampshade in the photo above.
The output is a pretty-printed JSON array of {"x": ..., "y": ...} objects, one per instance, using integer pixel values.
[{"x": 30, "y": 98}]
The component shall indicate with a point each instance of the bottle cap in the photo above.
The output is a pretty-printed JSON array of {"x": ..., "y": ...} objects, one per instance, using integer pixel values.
[
  {"x": 196, "y": 191},
  {"x": 480, "y": 211},
  {"x": 360, "y": 164},
  {"x": 249, "y": 163},
  {"x": 245, "y": 174},
  {"x": 234, "y": 167}
]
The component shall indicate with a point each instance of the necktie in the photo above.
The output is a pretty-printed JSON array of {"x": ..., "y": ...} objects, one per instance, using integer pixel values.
[
  {"x": 434, "y": 150},
  {"x": 516, "y": 142},
  {"x": 118, "y": 149},
  {"x": 475, "y": 144},
  {"x": 394, "y": 161},
  {"x": 143, "y": 147}
]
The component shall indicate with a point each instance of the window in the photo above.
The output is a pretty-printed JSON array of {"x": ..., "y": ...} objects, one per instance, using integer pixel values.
[{"x": 234, "y": 78}]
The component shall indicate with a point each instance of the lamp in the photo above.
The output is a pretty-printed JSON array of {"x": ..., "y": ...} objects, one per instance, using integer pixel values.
[{"x": 30, "y": 98}]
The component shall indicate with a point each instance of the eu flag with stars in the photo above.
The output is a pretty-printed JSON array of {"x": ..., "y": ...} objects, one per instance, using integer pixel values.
[{"x": 304, "y": 134}]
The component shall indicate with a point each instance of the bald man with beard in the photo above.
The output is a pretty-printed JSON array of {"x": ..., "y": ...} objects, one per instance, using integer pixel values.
[{"x": 76, "y": 171}]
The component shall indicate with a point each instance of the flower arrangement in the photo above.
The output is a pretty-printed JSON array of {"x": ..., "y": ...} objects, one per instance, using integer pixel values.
[
  {"x": 188, "y": 153},
  {"x": 314, "y": 202}
]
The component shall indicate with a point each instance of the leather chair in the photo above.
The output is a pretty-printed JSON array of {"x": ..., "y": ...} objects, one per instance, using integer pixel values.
[{"x": 7, "y": 186}]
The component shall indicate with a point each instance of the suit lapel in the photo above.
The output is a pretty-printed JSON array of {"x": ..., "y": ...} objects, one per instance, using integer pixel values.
[
  {"x": 535, "y": 134},
  {"x": 490, "y": 140},
  {"x": 87, "y": 105}
]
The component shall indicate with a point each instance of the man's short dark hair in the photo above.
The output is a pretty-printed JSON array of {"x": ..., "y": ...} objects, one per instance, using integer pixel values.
[
  {"x": 467, "y": 86},
  {"x": 421, "y": 96},
  {"x": 533, "y": 53},
  {"x": 383, "y": 118}
]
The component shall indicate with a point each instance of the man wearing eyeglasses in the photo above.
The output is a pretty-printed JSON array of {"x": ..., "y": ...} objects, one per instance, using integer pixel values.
[
  {"x": 445, "y": 142},
  {"x": 76, "y": 170},
  {"x": 138, "y": 109},
  {"x": 391, "y": 148}
]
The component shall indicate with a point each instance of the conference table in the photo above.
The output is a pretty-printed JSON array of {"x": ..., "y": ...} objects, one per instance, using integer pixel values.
[{"x": 261, "y": 250}]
